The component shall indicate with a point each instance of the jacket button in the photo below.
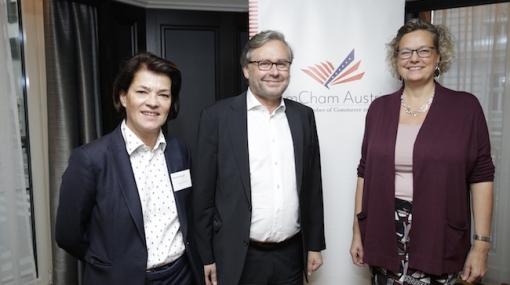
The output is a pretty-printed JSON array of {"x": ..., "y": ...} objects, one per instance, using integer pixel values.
[
  {"x": 250, "y": 208},
  {"x": 245, "y": 243}
]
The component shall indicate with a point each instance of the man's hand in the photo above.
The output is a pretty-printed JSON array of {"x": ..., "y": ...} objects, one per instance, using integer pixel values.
[
  {"x": 210, "y": 274},
  {"x": 314, "y": 261}
]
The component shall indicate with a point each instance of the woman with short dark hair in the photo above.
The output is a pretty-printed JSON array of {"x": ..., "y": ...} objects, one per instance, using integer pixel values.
[{"x": 125, "y": 198}]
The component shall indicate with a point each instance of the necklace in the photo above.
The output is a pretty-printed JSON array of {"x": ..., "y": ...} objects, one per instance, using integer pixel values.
[{"x": 422, "y": 109}]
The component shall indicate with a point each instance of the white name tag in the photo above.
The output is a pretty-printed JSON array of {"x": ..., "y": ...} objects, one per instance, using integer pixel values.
[{"x": 181, "y": 180}]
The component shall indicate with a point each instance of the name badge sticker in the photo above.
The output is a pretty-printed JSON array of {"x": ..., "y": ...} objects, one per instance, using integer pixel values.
[{"x": 181, "y": 180}]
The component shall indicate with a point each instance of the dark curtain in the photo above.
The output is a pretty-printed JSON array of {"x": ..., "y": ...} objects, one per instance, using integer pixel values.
[{"x": 73, "y": 90}]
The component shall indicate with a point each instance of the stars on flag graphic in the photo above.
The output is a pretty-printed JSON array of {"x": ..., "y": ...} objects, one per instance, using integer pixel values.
[{"x": 326, "y": 74}]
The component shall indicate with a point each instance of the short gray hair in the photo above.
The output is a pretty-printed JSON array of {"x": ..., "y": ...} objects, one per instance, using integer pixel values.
[{"x": 260, "y": 39}]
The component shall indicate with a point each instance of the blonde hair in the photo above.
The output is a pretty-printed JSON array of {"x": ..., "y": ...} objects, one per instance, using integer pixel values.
[{"x": 441, "y": 37}]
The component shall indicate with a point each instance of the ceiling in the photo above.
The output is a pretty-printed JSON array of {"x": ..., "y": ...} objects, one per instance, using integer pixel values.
[{"x": 206, "y": 5}]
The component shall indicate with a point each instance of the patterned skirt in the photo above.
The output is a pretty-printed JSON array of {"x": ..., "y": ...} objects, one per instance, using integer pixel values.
[{"x": 406, "y": 276}]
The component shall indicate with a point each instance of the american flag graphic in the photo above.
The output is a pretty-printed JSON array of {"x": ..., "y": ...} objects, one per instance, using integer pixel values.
[{"x": 326, "y": 74}]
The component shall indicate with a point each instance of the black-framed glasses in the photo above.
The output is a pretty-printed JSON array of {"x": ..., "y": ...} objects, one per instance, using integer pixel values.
[
  {"x": 266, "y": 65},
  {"x": 422, "y": 52}
]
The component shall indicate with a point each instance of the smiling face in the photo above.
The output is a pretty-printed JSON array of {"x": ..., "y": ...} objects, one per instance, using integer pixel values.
[
  {"x": 268, "y": 85},
  {"x": 147, "y": 104},
  {"x": 417, "y": 69}
]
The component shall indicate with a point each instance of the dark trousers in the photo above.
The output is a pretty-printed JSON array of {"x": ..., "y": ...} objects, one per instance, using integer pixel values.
[
  {"x": 178, "y": 273},
  {"x": 274, "y": 264}
]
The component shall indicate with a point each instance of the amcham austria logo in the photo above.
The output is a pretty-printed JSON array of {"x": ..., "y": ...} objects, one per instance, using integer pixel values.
[{"x": 326, "y": 74}]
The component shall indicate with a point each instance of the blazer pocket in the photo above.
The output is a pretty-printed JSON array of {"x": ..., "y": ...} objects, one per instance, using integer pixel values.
[
  {"x": 308, "y": 148},
  {"x": 216, "y": 224},
  {"x": 96, "y": 259}
]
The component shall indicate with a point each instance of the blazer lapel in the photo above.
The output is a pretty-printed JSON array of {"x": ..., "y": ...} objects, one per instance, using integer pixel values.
[
  {"x": 237, "y": 121},
  {"x": 126, "y": 179},
  {"x": 174, "y": 163},
  {"x": 296, "y": 130}
]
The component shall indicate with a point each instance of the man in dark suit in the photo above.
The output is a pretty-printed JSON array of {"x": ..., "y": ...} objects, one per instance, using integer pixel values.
[
  {"x": 257, "y": 201},
  {"x": 125, "y": 198}
]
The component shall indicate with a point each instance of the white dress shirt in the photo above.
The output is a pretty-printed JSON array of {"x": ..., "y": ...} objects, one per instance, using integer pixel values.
[
  {"x": 161, "y": 223},
  {"x": 275, "y": 202}
]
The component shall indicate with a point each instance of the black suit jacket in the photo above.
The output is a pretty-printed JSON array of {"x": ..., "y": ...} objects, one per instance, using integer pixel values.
[
  {"x": 99, "y": 218},
  {"x": 222, "y": 198}
]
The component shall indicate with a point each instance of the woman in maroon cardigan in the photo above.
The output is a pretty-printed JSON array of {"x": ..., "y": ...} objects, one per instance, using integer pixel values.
[{"x": 425, "y": 156}]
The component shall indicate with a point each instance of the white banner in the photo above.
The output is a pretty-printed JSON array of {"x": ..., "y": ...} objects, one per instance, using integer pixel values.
[{"x": 338, "y": 69}]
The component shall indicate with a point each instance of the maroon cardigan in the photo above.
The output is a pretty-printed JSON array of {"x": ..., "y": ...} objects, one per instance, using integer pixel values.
[{"x": 451, "y": 151}]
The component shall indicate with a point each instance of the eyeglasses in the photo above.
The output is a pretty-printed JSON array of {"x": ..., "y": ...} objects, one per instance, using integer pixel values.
[
  {"x": 266, "y": 65},
  {"x": 422, "y": 52}
]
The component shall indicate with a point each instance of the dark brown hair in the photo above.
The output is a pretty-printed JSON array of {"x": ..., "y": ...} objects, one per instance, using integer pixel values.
[{"x": 145, "y": 60}]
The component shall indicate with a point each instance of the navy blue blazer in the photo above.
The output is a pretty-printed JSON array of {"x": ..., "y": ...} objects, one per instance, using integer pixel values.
[{"x": 99, "y": 218}]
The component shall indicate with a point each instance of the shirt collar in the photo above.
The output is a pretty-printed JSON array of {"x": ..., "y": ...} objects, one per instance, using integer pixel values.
[
  {"x": 253, "y": 103},
  {"x": 133, "y": 142}
]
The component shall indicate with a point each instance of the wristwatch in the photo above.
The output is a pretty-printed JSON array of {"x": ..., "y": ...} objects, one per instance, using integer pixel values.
[{"x": 482, "y": 238}]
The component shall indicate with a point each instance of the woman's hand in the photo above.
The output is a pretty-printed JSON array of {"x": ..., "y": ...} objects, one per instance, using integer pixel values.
[
  {"x": 357, "y": 250},
  {"x": 357, "y": 245},
  {"x": 476, "y": 262},
  {"x": 210, "y": 274}
]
